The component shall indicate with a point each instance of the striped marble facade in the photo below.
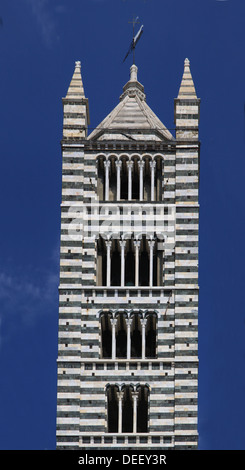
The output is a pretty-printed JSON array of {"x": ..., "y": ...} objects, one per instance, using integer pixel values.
[{"x": 83, "y": 374}]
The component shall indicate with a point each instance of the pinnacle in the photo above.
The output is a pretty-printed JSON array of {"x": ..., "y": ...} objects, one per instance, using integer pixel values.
[
  {"x": 76, "y": 89},
  {"x": 133, "y": 87},
  {"x": 133, "y": 73},
  {"x": 187, "y": 88}
]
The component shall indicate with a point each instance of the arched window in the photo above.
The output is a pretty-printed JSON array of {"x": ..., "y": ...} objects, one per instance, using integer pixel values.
[
  {"x": 106, "y": 335},
  {"x": 114, "y": 179},
  {"x": 150, "y": 336},
  {"x": 159, "y": 178},
  {"x": 132, "y": 338},
  {"x": 114, "y": 260},
  {"x": 135, "y": 181},
  {"x": 144, "y": 263},
  {"x": 142, "y": 408},
  {"x": 112, "y": 408},
  {"x": 115, "y": 264},
  {"x": 158, "y": 263},
  {"x": 124, "y": 180},
  {"x": 121, "y": 336},
  {"x": 129, "y": 264},
  {"x": 100, "y": 179},
  {"x": 127, "y": 410},
  {"x": 101, "y": 262},
  {"x": 147, "y": 181},
  {"x": 136, "y": 337}
]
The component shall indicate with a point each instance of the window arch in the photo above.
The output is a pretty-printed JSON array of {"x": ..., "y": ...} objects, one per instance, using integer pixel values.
[
  {"x": 150, "y": 335},
  {"x": 142, "y": 408},
  {"x": 115, "y": 263},
  {"x": 144, "y": 263},
  {"x": 106, "y": 335},
  {"x": 136, "y": 336},
  {"x": 127, "y": 408},
  {"x": 133, "y": 337},
  {"x": 129, "y": 264},
  {"x": 101, "y": 262},
  {"x": 121, "y": 336},
  {"x": 112, "y": 408},
  {"x": 133, "y": 177}
]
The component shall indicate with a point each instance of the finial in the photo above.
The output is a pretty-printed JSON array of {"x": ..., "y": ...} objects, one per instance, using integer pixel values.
[
  {"x": 133, "y": 73},
  {"x": 187, "y": 62},
  {"x": 78, "y": 64}
]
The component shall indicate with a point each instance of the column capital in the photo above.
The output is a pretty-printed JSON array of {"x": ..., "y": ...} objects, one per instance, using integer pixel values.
[
  {"x": 108, "y": 243},
  {"x": 107, "y": 163},
  {"x": 118, "y": 164},
  {"x": 137, "y": 243},
  {"x": 122, "y": 243},
  {"x": 120, "y": 394},
  {"x": 143, "y": 321},
  {"x": 151, "y": 244},
  {"x": 130, "y": 164},
  {"x": 153, "y": 164},
  {"x": 135, "y": 395},
  {"x": 141, "y": 164}
]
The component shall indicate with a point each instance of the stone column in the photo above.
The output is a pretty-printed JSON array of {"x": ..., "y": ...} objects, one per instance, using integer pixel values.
[
  {"x": 143, "y": 325},
  {"x": 137, "y": 247},
  {"x": 107, "y": 165},
  {"x": 129, "y": 323},
  {"x": 152, "y": 167},
  {"x": 120, "y": 399},
  {"x": 141, "y": 165},
  {"x": 113, "y": 338},
  {"x": 130, "y": 166},
  {"x": 151, "y": 246},
  {"x": 118, "y": 167},
  {"x": 135, "y": 398},
  {"x": 122, "y": 244},
  {"x": 108, "y": 263}
]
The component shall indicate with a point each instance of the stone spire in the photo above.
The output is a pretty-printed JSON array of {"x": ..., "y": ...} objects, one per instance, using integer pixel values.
[
  {"x": 76, "y": 110},
  {"x": 76, "y": 89},
  {"x": 186, "y": 107},
  {"x": 187, "y": 88}
]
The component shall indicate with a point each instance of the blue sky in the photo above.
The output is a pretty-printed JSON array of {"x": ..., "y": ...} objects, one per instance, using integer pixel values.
[{"x": 40, "y": 40}]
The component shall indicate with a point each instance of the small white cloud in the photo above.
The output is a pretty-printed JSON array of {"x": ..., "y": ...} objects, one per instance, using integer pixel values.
[
  {"x": 22, "y": 292},
  {"x": 27, "y": 294},
  {"x": 41, "y": 10}
]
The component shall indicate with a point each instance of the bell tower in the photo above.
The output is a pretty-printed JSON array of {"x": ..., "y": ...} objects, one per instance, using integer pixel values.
[{"x": 128, "y": 294}]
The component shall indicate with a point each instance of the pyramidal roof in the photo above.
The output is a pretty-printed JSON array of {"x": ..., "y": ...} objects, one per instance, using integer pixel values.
[
  {"x": 76, "y": 89},
  {"x": 132, "y": 118},
  {"x": 187, "y": 88}
]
